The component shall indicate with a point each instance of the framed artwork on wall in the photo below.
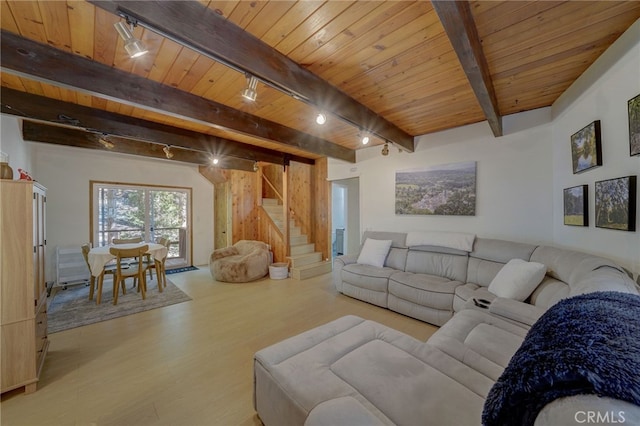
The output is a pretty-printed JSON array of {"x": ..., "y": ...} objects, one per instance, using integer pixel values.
[
  {"x": 445, "y": 189},
  {"x": 616, "y": 203},
  {"x": 634, "y": 125},
  {"x": 586, "y": 148},
  {"x": 576, "y": 206}
]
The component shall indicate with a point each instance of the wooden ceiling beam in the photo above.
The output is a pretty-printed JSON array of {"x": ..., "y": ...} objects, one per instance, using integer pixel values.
[
  {"x": 50, "y": 110},
  {"x": 199, "y": 28},
  {"x": 23, "y": 57},
  {"x": 79, "y": 138},
  {"x": 457, "y": 20}
]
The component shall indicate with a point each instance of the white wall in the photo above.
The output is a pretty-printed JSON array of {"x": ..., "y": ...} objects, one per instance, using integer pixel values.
[
  {"x": 66, "y": 172},
  {"x": 11, "y": 144},
  {"x": 514, "y": 179},
  {"x": 600, "y": 94},
  {"x": 352, "y": 232}
]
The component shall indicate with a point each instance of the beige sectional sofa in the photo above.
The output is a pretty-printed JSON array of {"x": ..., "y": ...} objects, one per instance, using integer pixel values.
[{"x": 353, "y": 371}]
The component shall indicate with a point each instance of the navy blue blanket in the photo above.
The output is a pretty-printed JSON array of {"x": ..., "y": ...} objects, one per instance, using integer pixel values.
[{"x": 587, "y": 344}]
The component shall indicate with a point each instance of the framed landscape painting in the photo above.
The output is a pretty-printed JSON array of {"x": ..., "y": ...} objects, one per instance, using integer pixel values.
[
  {"x": 446, "y": 189},
  {"x": 616, "y": 203},
  {"x": 634, "y": 126},
  {"x": 576, "y": 206},
  {"x": 586, "y": 148}
]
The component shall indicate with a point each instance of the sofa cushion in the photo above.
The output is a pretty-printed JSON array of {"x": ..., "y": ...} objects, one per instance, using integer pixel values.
[
  {"x": 427, "y": 261},
  {"x": 490, "y": 255},
  {"x": 374, "y": 252},
  {"x": 561, "y": 263},
  {"x": 345, "y": 410},
  {"x": 427, "y": 290},
  {"x": 405, "y": 388},
  {"x": 398, "y": 239},
  {"x": 549, "y": 292},
  {"x": 367, "y": 276},
  {"x": 517, "y": 279},
  {"x": 454, "y": 240},
  {"x": 463, "y": 335}
]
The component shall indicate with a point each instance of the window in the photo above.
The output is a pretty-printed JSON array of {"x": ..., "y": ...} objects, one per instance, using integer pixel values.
[{"x": 149, "y": 212}]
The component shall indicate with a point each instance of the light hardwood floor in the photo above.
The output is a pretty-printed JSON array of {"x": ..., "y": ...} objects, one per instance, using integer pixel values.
[{"x": 186, "y": 364}]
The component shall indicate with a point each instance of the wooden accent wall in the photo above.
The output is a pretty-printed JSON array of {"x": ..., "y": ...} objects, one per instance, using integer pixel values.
[
  {"x": 244, "y": 205},
  {"x": 301, "y": 197},
  {"x": 273, "y": 172},
  {"x": 322, "y": 208},
  {"x": 309, "y": 199}
]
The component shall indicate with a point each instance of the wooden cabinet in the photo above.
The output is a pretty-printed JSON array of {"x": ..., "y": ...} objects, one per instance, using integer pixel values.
[{"x": 23, "y": 293}]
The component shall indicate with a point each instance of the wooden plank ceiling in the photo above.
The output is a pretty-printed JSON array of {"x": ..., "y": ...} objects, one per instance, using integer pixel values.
[{"x": 398, "y": 69}]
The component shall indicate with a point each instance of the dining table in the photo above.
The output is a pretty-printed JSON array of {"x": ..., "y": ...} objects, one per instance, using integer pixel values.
[{"x": 98, "y": 257}]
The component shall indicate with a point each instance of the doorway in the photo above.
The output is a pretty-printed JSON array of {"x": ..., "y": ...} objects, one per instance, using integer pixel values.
[{"x": 345, "y": 216}]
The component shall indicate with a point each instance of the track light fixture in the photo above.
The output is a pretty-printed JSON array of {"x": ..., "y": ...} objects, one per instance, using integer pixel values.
[
  {"x": 250, "y": 92},
  {"x": 167, "y": 152},
  {"x": 385, "y": 149},
  {"x": 215, "y": 160},
  {"x": 132, "y": 45},
  {"x": 256, "y": 167},
  {"x": 106, "y": 143},
  {"x": 321, "y": 118}
]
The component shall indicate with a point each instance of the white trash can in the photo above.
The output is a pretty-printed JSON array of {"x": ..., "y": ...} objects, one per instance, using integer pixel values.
[{"x": 278, "y": 271}]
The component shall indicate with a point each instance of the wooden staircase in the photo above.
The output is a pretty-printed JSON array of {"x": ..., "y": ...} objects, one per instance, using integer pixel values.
[{"x": 304, "y": 261}]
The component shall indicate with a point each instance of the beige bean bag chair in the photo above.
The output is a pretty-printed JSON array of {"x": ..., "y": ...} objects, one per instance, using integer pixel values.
[{"x": 242, "y": 262}]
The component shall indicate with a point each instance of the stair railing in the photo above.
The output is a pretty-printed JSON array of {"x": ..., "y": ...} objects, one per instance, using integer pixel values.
[{"x": 266, "y": 179}]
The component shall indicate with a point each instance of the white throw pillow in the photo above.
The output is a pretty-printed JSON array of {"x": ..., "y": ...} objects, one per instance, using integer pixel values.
[
  {"x": 517, "y": 279},
  {"x": 374, "y": 252}
]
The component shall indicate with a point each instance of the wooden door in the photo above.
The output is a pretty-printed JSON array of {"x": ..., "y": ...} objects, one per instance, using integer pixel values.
[{"x": 222, "y": 218}]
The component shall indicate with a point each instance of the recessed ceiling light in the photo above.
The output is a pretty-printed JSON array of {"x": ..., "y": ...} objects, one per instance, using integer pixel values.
[
  {"x": 321, "y": 118},
  {"x": 364, "y": 138}
]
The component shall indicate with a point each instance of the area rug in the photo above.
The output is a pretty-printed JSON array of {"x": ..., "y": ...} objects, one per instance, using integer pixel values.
[
  {"x": 72, "y": 308},
  {"x": 185, "y": 269}
]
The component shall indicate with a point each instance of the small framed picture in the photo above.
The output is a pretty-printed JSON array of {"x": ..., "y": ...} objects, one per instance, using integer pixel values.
[
  {"x": 576, "y": 206},
  {"x": 616, "y": 203},
  {"x": 634, "y": 126},
  {"x": 586, "y": 148}
]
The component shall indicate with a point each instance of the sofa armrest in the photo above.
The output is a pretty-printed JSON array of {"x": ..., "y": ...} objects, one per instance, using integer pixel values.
[
  {"x": 514, "y": 310},
  {"x": 347, "y": 259},
  {"x": 339, "y": 263}
]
